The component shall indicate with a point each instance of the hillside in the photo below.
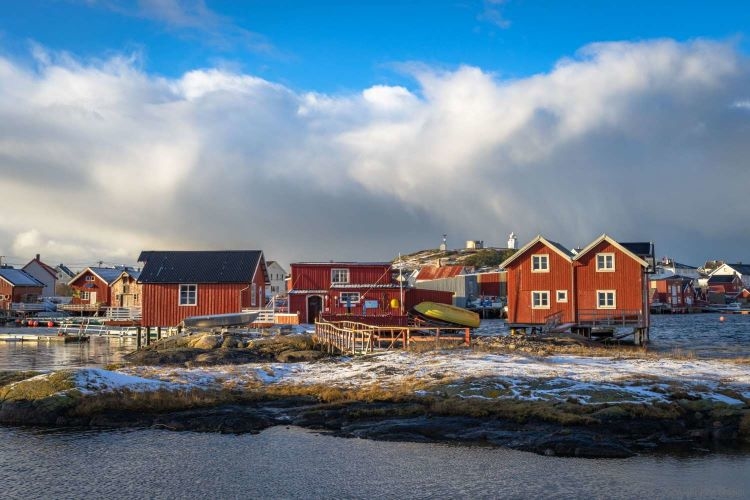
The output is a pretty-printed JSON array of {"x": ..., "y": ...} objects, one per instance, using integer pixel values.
[{"x": 480, "y": 259}]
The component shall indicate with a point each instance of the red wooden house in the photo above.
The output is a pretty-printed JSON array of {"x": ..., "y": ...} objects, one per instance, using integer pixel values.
[
  {"x": 17, "y": 286},
  {"x": 606, "y": 282},
  {"x": 362, "y": 289},
  {"x": 92, "y": 288},
  {"x": 673, "y": 293},
  {"x": 540, "y": 283},
  {"x": 611, "y": 281},
  {"x": 179, "y": 284}
]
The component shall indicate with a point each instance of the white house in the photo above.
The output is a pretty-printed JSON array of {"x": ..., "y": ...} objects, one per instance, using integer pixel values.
[
  {"x": 277, "y": 276},
  {"x": 44, "y": 273},
  {"x": 738, "y": 269}
]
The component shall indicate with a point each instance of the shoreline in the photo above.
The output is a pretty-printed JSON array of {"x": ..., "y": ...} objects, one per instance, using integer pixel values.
[{"x": 557, "y": 404}]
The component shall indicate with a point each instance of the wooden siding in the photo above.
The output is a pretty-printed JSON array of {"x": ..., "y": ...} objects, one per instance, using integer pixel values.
[
  {"x": 101, "y": 287},
  {"x": 318, "y": 276},
  {"x": 494, "y": 284},
  {"x": 126, "y": 292},
  {"x": 521, "y": 282},
  {"x": 627, "y": 280},
  {"x": 18, "y": 293},
  {"x": 161, "y": 302}
]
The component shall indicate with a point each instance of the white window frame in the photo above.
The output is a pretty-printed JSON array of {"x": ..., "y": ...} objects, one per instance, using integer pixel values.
[
  {"x": 564, "y": 297},
  {"x": 536, "y": 263},
  {"x": 606, "y": 267},
  {"x": 543, "y": 297},
  {"x": 342, "y": 298},
  {"x": 603, "y": 294},
  {"x": 339, "y": 275},
  {"x": 186, "y": 287},
  {"x": 253, "y": 295},
  {"x": 89, "y": 277},
  {"x": 85, "y": 296}
]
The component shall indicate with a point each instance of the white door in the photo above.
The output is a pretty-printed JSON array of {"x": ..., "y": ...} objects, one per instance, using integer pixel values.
[{"x": 92, "y": 296}]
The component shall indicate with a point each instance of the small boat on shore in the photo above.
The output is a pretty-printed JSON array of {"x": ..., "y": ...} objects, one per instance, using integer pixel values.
[
  {"x": 448, "y": 314},
  {"x": 220, "y": 320}
]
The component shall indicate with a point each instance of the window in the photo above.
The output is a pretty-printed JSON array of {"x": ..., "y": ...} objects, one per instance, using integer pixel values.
[
  {"x": 253, "y": 295},
  {"x": 125, "y": 289},
  {"x": 349, "y": 297},
  {"x": 188, "y": 295},
  {"x": 562, "y": 295},
  {"x": 605, "y": 262},
  {"x": 540, "y": 263},
  {"x": 89, "y": 278},
  {"x": 339, "y": 276},
  {"x": 85, "y": 296},
  {"x": 135, "y": 296},
  {"x": 605, "y": 299},
  {"x": 540, "y": 300}
]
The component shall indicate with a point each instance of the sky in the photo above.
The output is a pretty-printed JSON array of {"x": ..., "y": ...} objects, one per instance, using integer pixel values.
[{"x": 335, "y": 130}]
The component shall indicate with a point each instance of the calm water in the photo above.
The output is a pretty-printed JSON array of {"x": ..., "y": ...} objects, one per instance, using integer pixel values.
[
  {"x": 293, "y": 463},
  {"x": 702, "y": 334}
]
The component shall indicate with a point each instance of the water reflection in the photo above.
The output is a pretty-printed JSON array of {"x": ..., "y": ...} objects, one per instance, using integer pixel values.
[
  {"x": 704, "y": 335},
  {"x": 53, "y": 355},
  {"x": 293, "y": 463}
]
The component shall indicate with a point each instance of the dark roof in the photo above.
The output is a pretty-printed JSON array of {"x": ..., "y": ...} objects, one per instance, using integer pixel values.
[
  {"x": 562, "y": 248},
  {"x": 109, "y": 274},
  {"x": 743, "y": 269},
  {"x": 722, "y": 278},
  {"x": 17, "y": 277},
  {"x": 224, "y": 266},
  {"x": 641, "y": 248}
]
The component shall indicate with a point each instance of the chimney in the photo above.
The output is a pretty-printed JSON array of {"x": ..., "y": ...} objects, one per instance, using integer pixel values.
[{"x": 37, "y": 256}]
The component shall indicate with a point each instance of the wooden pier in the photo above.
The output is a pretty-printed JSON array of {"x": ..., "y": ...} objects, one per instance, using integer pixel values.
[{"x": 349, "y": 337}]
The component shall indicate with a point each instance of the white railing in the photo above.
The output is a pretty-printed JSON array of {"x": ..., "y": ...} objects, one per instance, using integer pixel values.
[
  {"x": 264, "y": 315},
  {"x": 123, "y": 313},
  {"x": 30, "y": 307}
]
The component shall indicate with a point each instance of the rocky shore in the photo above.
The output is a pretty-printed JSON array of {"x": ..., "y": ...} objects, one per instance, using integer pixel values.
[{"x": 226, "y": 384}]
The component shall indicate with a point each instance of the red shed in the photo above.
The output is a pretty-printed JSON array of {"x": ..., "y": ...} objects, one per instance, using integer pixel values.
[
  {"x": 540, "y": 283},
  {"x": 673, "y": 292},
  {"x": 18, "y": 286},
  {"x": 178, "y": 284},
  {"x": 362, "y": 289}
]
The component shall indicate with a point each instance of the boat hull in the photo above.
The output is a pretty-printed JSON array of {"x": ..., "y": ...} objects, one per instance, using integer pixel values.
[{"x": 448, "y": 314}]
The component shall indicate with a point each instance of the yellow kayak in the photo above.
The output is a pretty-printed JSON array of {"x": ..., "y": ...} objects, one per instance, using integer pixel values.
[{"x": 448, "y": 314}]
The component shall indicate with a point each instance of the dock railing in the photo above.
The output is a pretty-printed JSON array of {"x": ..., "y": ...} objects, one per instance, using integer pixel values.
[
  {"x": 349, "y": 337},
  {"x": 610, "y": 317}
]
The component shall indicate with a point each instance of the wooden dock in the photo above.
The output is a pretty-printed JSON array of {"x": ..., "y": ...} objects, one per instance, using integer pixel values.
[
  {"x": 35, "y": 337},
  {"x": 349, "y": 337}
]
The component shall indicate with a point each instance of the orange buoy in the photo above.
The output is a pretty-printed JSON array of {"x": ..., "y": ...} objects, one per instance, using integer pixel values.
[
  {"x": 34, "y": 323},
  {"x": 721, "y": 318},
  {"x": 50, "y": 323}
]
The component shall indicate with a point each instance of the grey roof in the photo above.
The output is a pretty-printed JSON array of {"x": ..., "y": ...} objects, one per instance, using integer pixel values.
[
  {"x": 17, "y": 277},
  {"x": 560, "y": 247},
  {"x": 65, "y": 269},
  {"x": 223, "y": 266},
  {"x": 743, "y": 269}
]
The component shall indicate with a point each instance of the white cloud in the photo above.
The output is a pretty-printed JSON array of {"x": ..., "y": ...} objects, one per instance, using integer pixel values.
[{"x": 639, "y": 140}]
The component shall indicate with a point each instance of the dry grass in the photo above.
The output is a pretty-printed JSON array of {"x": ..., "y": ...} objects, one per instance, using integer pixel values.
[
  {"x": 32, "y": 389},
  {"x": 152, "y": 401},
  {"x": 10, "y": 377}
]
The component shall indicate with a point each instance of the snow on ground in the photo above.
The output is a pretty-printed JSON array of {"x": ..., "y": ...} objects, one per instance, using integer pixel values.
[
  {"x": 91, "y": 380},
  {"x": 473, "y": 374}
]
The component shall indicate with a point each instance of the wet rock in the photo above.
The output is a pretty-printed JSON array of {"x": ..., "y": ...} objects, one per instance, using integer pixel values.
[{"x": 206, "y": 341}]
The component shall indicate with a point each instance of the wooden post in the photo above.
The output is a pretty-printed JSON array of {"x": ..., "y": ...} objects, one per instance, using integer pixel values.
[
  {"x": 148, "y": 335},
  {"x": 158, "y": 333},
  {"x": 138, "y": 337},
  {"x": 467, "y": 336}
]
